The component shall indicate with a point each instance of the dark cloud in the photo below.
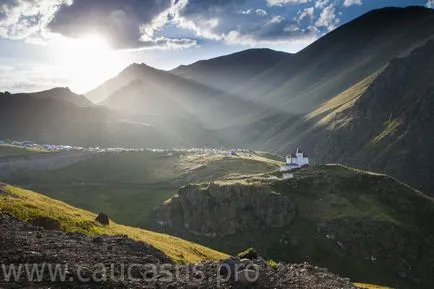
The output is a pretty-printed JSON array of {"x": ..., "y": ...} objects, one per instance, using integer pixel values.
[{"x": 118, "y": 20}]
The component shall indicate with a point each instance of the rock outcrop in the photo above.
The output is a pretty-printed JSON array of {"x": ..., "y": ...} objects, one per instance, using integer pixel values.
[
  {"x": 219, "y": 210},
  {"x": 103, "y": 219}
]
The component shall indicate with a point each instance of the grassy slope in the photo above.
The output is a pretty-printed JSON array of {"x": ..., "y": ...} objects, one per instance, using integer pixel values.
[
  {"x": 369, "y": 286},
  {"x": 128, "y": 186},
  {"x": 27, "y": 205},
  {"x": 7, "y": 151},
  {"x": 328, "y": 110},
  {"x": 390, "y": 121},
  {"x": 370, "y": 204}
]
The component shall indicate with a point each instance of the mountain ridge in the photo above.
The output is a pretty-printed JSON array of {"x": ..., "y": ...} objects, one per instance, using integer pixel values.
[
  {"x": 59, "y": 94},
  {"x": 397, "y": 137},
  {"x": 245, "y": 64}
]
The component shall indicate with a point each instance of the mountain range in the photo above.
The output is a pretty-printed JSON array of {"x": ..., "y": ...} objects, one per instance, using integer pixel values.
[{"x": 360, "y": 95}]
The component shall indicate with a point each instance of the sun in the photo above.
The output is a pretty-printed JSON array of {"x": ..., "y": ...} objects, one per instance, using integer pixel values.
[{"x": 89, "y": 61}]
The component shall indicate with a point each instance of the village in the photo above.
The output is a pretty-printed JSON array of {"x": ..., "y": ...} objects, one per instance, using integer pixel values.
[
  {"x": 294, "y": 161},
  {"x": 70, "y": 148}
]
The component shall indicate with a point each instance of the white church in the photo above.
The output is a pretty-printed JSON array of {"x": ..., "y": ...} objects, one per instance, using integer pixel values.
[{"x": 295, "y": 161}]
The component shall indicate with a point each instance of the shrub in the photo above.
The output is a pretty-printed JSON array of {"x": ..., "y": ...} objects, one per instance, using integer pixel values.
[
  {"x": 273, "y": 264},
  {"x": 248, "y": 254}
]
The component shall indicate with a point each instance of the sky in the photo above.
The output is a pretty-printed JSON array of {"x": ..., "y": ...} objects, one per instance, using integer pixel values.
[{"x": 81, "y": 43}]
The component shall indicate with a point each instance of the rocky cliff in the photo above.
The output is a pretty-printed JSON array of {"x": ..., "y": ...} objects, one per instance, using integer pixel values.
[
  {"x": 365, "y": 225},
  {"x": 224, "y": 209}
]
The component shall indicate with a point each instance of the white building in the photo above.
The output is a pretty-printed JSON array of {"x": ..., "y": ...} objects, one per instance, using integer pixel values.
[
  {"x": 287, "y": 176},
  {"x": 295, "y": 161}
]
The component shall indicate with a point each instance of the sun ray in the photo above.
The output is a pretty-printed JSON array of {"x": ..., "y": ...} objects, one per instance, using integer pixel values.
[{"x": 88, "y": 60}]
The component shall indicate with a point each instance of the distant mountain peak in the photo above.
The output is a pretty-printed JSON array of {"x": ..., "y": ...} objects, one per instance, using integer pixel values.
[
  {"x": 62, "y": 94},
  {"x": 229, "y": 71},
  {"x": 134, "y": 67},
  {"x": 60, "y": 90},
  {"x": 246, "y": 52}
]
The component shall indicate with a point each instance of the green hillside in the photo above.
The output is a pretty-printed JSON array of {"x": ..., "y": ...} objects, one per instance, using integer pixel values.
[
  {"x": 128, "y": 186},
  {"x": 367, "y": 226},
  {"x": 27, "y": 205}
]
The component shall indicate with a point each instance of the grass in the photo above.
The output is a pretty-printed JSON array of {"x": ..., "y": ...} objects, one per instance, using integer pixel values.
[
  {"x": 273, "y": 264},
  {"x": 390, "y": 127},
  {"x": 369, "y": 286},
  {"x": 7, "y": 151},
  {"x": 343, "y": 101},
  {"x": 129, "y": 186},
  {"x": 26, "y": 205}
]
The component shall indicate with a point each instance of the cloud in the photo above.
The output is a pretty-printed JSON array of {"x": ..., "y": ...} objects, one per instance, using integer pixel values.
[
  {"x": 137, "y": 24},
  {"x": 348, "y": 3},
  {"x": 25, "y": 19},
  {"x": 430, "y": 4},
  {"x": 230, "y": 21},
  {"x": 307, "y": 13},
  {"x": 285, "y": 2},
  {"x": 164, "y": 42},
  {"x": 31, "y": 77},
  {"x": 121, "y": 22},
  {"x": 328, "y": 18},
  {"x": 259, "y": 12},
  {"x": 320, "y": 4}
]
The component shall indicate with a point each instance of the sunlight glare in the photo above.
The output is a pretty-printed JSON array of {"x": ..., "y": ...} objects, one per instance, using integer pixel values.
[{"x": 89, "y": 61}]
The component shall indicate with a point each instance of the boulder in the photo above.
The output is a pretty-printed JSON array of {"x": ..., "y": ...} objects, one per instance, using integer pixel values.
[
  {"x": 46, "y": 223},
  {"x": 103, "y": 219}
]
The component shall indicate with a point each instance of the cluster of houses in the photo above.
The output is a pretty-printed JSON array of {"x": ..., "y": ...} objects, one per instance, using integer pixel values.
[
  {"x": 57, "y": 148},
  {"x": 208, "y": 151},
  {"x": 45, "y": 147}
]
